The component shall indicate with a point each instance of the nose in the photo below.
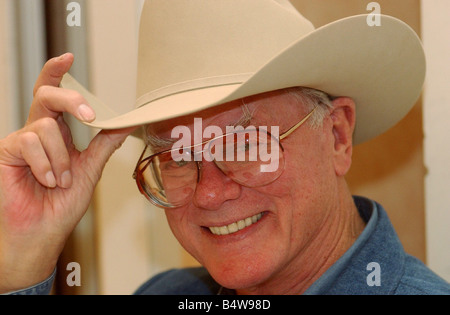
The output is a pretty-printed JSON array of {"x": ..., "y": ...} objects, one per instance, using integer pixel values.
[{"x": 214, "y": 188}]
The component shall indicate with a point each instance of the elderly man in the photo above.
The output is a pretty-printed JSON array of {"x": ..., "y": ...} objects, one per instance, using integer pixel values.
[{"x": 244, "y": 152}]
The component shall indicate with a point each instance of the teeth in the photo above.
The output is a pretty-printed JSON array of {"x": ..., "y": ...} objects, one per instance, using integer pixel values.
[{"x": 236, "y": 226}]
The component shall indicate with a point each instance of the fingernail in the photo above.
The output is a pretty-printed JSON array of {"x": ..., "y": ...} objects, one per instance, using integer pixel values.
[
  {"x": 66, "y": 179},
  {"x": 51, "y": 180},
  {"x": 86, "y": 113}
]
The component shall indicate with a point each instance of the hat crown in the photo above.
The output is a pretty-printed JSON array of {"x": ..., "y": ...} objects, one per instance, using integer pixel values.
[{"x": 185, "y": 45}]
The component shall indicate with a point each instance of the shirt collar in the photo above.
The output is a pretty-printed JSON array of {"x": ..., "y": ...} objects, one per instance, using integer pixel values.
[{"x": 378, "y": 244}]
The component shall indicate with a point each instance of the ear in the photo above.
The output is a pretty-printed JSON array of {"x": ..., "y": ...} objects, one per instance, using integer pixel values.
[{"x": 343, "y": 117}]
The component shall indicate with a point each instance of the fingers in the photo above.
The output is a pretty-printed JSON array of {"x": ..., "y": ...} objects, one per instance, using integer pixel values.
[
  {"x": 53, "y": 71},
  {"x": 41, "y": 146},
  {"x": 50, "y": 100},
  {"x": 56, "y": 151},
  {"x": 103, "y": 146},
  {"x": 44, "y": 142},
  {"x": 34, "y": 155}
]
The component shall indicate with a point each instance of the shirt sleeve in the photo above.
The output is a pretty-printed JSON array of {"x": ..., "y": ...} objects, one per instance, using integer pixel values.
[{"x": 43, "y": 288}]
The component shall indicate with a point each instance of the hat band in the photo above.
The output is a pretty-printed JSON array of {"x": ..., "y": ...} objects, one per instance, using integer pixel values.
[{"x": 192, "y": 85}]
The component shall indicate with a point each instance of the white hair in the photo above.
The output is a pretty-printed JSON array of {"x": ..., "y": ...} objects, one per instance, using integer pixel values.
[{"x": 310, "y": 98}]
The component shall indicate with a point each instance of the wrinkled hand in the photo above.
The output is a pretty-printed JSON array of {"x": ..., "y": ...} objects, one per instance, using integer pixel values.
[{"x": 46, "y": 184}]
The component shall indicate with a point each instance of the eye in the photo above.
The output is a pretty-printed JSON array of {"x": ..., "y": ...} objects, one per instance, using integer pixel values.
[
  {"x": 243, "y": 147},
  {"x": 181, "y": 163},
  {"x": 174, "y": 167},
  {"x": 176, "y": 160},
  {"x": 246, "y": 146}
]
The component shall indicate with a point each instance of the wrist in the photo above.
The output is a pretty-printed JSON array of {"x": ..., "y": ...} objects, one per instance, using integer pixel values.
[
  {"x": 14, "y": 280},
  {"x": 41, "y": 288},
  {"x": 23, "y": 267}
]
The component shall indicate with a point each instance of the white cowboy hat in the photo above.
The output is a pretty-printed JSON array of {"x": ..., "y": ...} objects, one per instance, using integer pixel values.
[{"x": 195, "y": 54}]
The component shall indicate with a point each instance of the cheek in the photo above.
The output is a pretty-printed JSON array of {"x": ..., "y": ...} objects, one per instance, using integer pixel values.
[
  {"x": 299, "y": 192},
  {"x": 179, "y": 224},
  {"x": 302, "y": 175}
]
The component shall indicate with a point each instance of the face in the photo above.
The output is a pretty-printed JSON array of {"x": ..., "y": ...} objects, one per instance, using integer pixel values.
[{"x": 279, "y": 221}]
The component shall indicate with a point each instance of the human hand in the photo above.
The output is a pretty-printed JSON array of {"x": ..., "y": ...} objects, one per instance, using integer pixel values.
[{"x": 46, "y": 184}]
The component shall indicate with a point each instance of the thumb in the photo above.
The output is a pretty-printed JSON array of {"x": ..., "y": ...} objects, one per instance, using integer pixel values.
[{"x": 103, "y": 146}]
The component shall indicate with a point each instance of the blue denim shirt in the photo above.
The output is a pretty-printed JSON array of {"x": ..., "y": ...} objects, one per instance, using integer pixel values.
[
  {"x": 43, "y": 288},
  {"x": 375, "y": 264}
]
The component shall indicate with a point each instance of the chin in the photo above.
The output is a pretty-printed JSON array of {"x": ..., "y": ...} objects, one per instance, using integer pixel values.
[{"x": 241, "y": 275}]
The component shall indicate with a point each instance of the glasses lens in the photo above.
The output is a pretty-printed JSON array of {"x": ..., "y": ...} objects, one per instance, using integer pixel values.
[
  {"x": 169, "y": 179},
  {"x": 252, "y": 158}
]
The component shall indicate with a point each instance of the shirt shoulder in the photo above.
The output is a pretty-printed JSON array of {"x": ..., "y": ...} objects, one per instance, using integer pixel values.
[
  {"x": 378, "y": 245},
  {"x": 418, "y": 279},
  {"x": 188, "y": 281}
]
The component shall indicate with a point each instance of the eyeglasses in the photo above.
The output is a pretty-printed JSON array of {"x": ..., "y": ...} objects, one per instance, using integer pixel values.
[{"x": 252, "y": 158}]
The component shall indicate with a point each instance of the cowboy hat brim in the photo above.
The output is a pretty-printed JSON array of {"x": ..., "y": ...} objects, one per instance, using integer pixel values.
[{"x": 382, "y": 68}]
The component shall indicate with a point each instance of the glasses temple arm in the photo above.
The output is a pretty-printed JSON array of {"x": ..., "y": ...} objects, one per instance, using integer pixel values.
[{"x": 292, "y": 129}]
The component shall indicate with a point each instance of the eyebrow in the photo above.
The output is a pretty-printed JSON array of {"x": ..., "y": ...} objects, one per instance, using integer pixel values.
[{"x": 158, "y": 144}]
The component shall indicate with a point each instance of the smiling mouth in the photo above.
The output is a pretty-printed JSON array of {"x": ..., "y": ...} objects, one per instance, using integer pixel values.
[{"x": 236, "y": 226}]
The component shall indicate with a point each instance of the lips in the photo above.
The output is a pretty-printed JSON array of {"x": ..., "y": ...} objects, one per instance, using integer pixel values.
[{"x": 236, "y": 226}]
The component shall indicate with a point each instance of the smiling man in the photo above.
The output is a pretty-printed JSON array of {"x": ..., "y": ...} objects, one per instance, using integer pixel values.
[
  {"x": 273, "y": 232},
  {"x": 309, "y": 95}
]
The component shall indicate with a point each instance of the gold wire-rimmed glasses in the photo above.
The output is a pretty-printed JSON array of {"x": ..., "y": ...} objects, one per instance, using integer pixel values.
[{"x": 252, "y": 158}]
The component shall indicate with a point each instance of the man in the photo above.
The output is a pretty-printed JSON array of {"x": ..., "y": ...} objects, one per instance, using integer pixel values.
[{"x": 290, "y": 229}]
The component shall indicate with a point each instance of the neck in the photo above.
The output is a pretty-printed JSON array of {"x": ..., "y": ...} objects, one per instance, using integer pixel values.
[{"x": 339, "y": 231}]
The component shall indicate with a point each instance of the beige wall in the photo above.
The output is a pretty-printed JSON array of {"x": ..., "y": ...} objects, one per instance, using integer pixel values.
[
  {"x": 436, "y": 35},
  {"x": 7, "y": 62},
  {"x": 121, "y": 221},
  {"x": 4, "y": 100},
  {"x": 133, "y": 238}
]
